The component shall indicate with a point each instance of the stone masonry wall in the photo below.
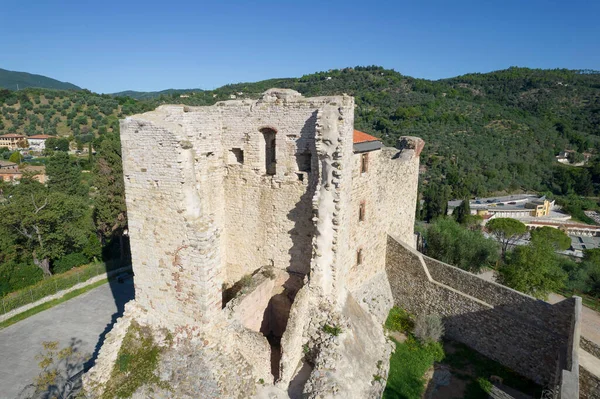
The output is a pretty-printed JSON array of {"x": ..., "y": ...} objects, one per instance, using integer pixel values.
[
  {"x": 198, "y": 194},
  {"x": 160, "y": 193},
  {"x": 525, "y": 334},
  {"x": 389, "y": 191},
  {"x": 589, "y": 385}
]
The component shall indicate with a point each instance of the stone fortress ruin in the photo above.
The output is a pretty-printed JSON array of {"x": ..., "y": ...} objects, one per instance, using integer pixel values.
[{"x": 262, "y": 234}]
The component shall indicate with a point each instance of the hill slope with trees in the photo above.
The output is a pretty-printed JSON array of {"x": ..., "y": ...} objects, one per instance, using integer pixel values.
[
  {"x": 14, "y": 80},
  {"x": 498, "y": 131},
  {"x": 490, "y": 132}
]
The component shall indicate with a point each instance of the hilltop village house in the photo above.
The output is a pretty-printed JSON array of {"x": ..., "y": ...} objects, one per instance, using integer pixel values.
[
  {"x": 12, "y": 141},
  {"x": 10, "y": 172},
  {"x": 269, "y": 241},
  {"x": 38, "y": 142}
]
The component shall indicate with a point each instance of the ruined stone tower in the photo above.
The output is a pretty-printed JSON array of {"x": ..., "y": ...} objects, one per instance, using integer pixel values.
[{"x": 258, "y": 236}]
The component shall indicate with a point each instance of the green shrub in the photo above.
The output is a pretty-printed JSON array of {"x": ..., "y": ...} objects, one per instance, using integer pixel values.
[
  {"x": 333, "y": 330},
  {"x": 399, "y": 320},
  {"x": 485, "y": 384},
  {"x": 429, "y": 328},
  {"x": 15, "y": 276},
  {"x": 68, "y": 262},
  {"x": 136, "y": 364}
]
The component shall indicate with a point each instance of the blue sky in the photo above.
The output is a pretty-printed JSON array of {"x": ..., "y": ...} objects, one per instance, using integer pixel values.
[{"x": 109, "y": 46}]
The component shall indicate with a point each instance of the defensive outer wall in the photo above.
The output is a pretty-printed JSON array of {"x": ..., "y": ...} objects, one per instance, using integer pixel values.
[{"x": 536, "y": 339}]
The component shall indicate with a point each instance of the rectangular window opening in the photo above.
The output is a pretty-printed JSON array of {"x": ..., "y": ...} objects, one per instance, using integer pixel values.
[
  {"x": 235, "y": 156},
  {"x": 364, "y": 163},
  {"x": 304, "y": 161}
]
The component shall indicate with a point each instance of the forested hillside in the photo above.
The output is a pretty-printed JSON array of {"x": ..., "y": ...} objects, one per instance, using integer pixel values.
[
  {"x": 491, "y": 132},
  {"x": 21, "y": 80}
]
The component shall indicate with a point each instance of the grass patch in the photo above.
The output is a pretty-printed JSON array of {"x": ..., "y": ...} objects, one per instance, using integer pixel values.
[
  {"x": 136, "y": 364},
  {"x": 408, "y": 365},
  {"x": 55, "y": 283},
  {"x": 50, "y": 304}
]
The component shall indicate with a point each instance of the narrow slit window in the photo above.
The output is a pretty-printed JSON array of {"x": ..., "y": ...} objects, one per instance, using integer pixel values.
[
  {"x": 359, "y": 257},
  {"x": 361, "y": 211},
  {"x": 364, "y": 163}
]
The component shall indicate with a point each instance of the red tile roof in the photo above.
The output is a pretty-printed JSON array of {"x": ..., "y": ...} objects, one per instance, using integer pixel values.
[
  {"x": 40, "y": 136},
  {"x": 12, "y": 135},
  {"x": 360, "y": 137}
]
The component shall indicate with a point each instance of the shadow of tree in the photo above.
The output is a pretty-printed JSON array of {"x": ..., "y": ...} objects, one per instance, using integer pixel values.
[{"x": 60, "y": 372}]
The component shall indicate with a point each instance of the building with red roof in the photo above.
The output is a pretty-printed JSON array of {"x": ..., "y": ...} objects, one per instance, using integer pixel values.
[{"x": 11, "y": 141}]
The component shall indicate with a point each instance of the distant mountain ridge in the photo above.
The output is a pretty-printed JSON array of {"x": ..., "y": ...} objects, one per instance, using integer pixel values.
[
  {"x": 146, "y": 95},
  {"x": 14, "y": 80}
]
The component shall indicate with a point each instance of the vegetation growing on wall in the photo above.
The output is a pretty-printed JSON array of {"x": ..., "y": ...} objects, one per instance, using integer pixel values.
[{"x": 136, "y": 364}]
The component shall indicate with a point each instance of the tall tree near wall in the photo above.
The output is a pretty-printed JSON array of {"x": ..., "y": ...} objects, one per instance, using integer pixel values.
[
  {"x": 533, "y": 269},
  {"x": 435, "y": 201},
  {"x": 452, "y": 243},
  {"x": 507, "y": 231},
  {"x": 110, "y": 212},
  {"x": 462, "y": 212},
  {"x": 64, "y": 175},
  {"x": 45, "y": 223}
]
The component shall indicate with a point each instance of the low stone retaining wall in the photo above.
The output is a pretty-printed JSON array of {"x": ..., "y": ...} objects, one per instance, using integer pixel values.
[
  {"x": 60, "y": 294},
  {"x": 538, "y": 340}
]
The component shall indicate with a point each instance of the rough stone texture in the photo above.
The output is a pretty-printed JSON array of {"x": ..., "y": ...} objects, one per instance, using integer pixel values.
[
  {"x": 590, "y": 347},
  {"x": 589, "y": 385},
  {"x": 532, "y": 337},
  {"x": 210, "y": 208}
]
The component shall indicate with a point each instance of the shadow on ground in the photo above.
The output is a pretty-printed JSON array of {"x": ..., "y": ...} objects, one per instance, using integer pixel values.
[{"x": 122, "y": 290}]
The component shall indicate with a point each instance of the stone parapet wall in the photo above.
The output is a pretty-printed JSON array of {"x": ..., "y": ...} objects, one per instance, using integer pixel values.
[
  {"x": 503, "y": 332},
  {"x": 590, "y": 347},
  {"x": 528, "y": 308}
]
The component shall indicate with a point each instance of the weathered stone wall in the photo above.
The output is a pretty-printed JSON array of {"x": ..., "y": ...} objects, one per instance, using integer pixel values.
[
  {"x": 167, "y": 227},
  {"x": 206, "y": 208},
  {"x": 590, "y": 347},
  {"x": 389, "y": 192},
  {"x": 527, "y": 335},
  {"x": 589, "y": 385}
]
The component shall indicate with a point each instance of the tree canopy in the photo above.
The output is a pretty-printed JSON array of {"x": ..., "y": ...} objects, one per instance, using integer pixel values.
[
  {"x": 533, "y": 269},
  {"x": 507, "y": 231},
  {"x": 557, "y": 238},
  {"x": 452, "y": 243}
]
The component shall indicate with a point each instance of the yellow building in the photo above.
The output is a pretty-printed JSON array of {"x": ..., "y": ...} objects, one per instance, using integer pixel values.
[
  {"x": 539, "y": 207},
  {"x": 11, "y": 141}
]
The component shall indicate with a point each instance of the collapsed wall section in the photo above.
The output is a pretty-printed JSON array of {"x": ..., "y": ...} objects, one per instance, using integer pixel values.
[
  {"x": 267, "y": 204},
  {"x": 529, "y": 336}
]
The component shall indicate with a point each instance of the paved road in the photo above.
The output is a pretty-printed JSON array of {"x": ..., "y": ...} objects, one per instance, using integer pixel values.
[{"x": 81, "y": 321}]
